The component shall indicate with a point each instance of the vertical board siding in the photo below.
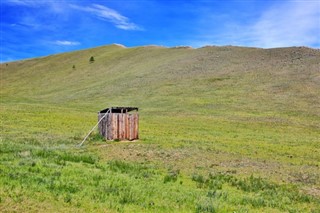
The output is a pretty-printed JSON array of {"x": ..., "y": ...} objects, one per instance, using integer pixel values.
[
  {"x": 114, "y": 124},
  {"x": 122, "y": 126},
  {"x": 130, "y": 127},
  {"x": 108, "y": 127},
  {"x": 102, "y": 124},
  {"x": 127, "y": 126},
  {"x": 136, "y": 126}
]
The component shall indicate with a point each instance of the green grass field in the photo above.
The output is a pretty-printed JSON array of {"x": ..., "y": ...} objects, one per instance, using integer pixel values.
[{"x": 222, "y": 129}]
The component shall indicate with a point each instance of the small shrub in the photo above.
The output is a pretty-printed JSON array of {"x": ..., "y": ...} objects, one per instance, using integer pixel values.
[
  {"x": 56, "y": 174},
  {"x": 257, "y": 202},
  {"x": 212, "y": 194},
  {"x": 112, "y": 190},
  {"x": 96, "y": 137},
  {"x": 121, "y": 166},
  {"x": 67, "y": 198},
  {"x": 214, "y": 184},
  {"x": 134, "y": 169},
  {"x": 172, "y": 176},
  {"x": 85, "y": 158},
  {"x": 127, "y": 197},
  {"x": 199, "y": 179},
  {"x": 60, "y": 162},
  {"x": 91, "y": 60},
  {"x": 77, "y": 137},
  {"x": 205, "y": 205},
  {"x": 44, "y": 153},
  {"x": 217, "y": 194},
  {"x": 253, "y": 184}
]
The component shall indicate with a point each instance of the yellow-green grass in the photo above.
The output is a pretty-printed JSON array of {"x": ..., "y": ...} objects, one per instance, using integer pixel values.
[{"x": 222, "y": 129}]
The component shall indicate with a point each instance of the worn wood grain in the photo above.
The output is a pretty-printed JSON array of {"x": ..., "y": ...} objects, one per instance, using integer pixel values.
[{"x": 122, "y": 125}]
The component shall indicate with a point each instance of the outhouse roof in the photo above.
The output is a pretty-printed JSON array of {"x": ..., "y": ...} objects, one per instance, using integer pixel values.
[{"x": 119, "y": 109}]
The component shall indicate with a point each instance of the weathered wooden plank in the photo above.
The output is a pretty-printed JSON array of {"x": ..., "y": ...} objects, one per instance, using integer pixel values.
[
  {"x": 114, "y": 126},
  {"x": 126, "y": 124},
  {"x": 129, "y": 125},
  {"x": 136, "y": 126},
  {"x": 121, "y": 126},
  {"x": 109, "y": 127},
  {"x": 103, "y": 126},
  {"x": 117, "y": 132},
  {"x": 132, "y": 127}
]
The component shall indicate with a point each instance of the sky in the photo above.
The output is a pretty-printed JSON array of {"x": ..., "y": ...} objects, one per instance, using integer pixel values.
[{"x": 35, "y": 28}]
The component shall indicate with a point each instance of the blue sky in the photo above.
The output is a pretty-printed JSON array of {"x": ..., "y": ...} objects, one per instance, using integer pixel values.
[{"x": 33, "y": 28}]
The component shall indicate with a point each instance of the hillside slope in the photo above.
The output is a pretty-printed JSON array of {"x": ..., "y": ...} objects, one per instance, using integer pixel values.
[
  {"x": 226, "y": 113},
  {"x": 244, "y": 79}
]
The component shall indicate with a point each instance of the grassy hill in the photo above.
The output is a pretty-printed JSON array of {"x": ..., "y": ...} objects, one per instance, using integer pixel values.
[{"x": 222, "y": 129}]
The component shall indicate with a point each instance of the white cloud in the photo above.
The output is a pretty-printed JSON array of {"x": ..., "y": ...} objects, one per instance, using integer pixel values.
[
  {"x": 17, "y": 2},
  {"x": 284, "y": 24},
  {"x": 28, "y": 3},
  {"x": 54, "y": 6},
  {"x": 110, "y": 15},
  {"x": 66, "y": 43},
  {"x": 290, "y": 24}
]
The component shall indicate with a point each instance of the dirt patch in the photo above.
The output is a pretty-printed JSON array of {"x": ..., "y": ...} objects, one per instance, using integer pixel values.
[{"x": 313, "y": 191}]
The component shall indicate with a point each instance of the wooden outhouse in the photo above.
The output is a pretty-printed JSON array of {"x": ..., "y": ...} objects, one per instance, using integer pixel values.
[{"x": 119, "y": 123}]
